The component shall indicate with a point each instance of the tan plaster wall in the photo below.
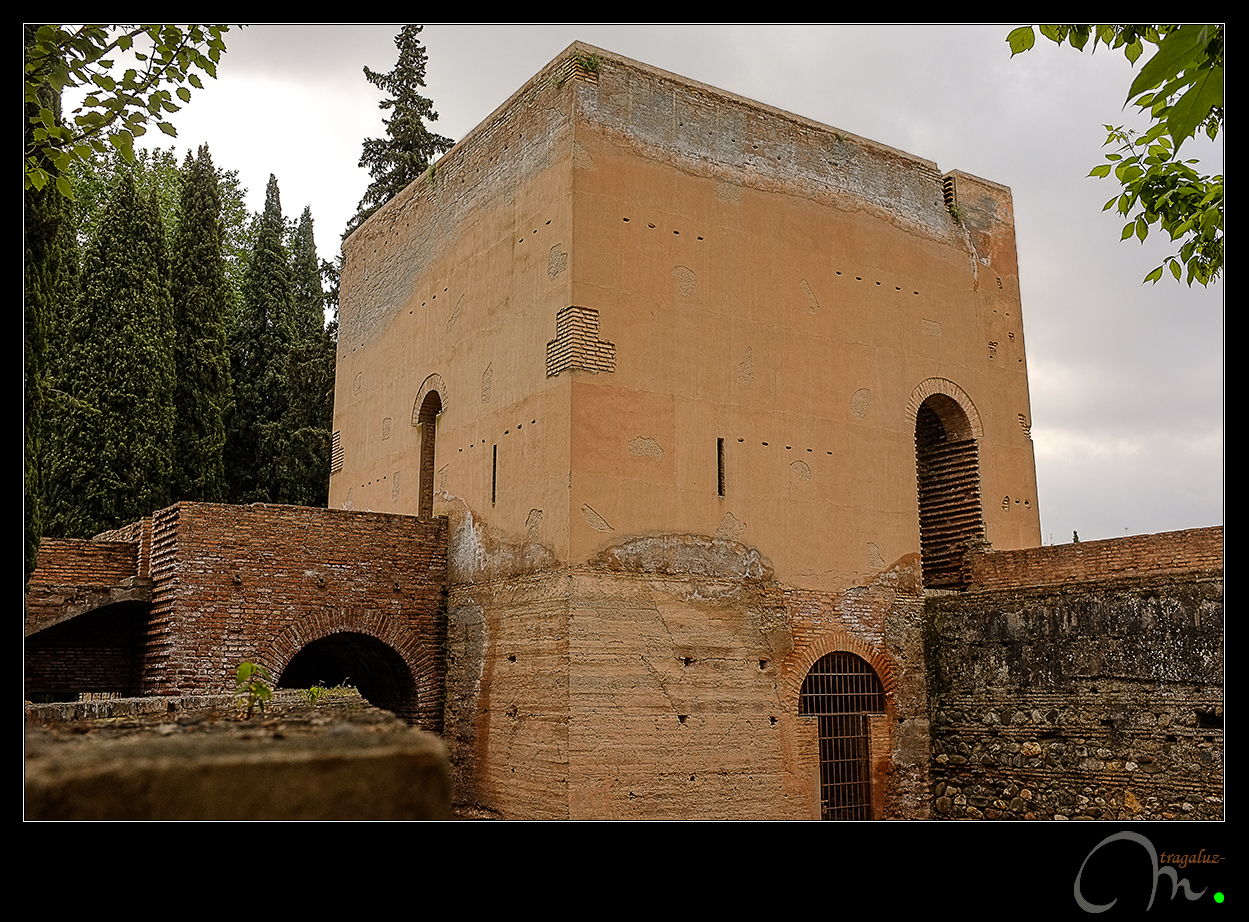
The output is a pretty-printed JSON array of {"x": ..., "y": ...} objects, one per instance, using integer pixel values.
[
  {"x": 762, "y": 279},
  {"x": 792, "y": 319}
]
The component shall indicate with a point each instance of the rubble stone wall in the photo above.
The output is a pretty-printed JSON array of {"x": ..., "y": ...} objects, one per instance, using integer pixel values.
[{"x": 1098, "y": 699}]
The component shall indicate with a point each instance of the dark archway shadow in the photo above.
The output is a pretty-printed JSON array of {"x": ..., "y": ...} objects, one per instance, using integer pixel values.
[{"x": 349, "y": 658}]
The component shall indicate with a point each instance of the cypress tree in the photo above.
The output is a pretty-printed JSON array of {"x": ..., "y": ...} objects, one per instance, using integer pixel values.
[
  {"x": 50, "y": 294},
  {"x": 309, "y": 380},
  {"x": 115, "y": 464},
  {"x": 201, "y": 301},
  {"x": 258, "y": 356}
]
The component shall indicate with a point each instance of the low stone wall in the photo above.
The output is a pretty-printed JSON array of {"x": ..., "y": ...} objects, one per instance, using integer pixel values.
[{"x": 1093, "y": 700}]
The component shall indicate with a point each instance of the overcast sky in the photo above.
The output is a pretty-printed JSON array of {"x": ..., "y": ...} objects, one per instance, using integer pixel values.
[{"x": 1126, "y": 380}]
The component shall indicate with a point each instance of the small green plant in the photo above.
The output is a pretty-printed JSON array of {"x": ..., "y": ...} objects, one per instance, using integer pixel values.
[
  {"x": 319, "y": 691},
  {"x": 252, "y": 680},
  {"x": 589, "y": 63},
  {"x": 956, "y": 213}
]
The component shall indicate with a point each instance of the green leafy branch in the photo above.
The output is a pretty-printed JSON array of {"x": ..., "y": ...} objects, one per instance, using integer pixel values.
[
  {"x": 1181, "y": 88},
  {"x": 1170, "y": 194},
  {"x": 117, "y": 109}
]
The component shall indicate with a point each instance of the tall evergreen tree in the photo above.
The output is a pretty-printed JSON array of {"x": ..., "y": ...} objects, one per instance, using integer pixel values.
[
  {"x": 309, "y": 380},
  {"x": 51, "y": 290},
  {"x": 410, "y": 147},
  {"x": 258, "y": 353},
  {"x": 201, "y": 305},
  {"x": 115, "y": 462}
]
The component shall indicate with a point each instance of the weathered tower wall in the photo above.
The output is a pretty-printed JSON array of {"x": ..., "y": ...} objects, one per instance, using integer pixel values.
[{"x": 659, "y": 353}]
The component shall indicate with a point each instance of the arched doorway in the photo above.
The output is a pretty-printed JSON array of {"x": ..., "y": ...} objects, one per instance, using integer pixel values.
[
  {"x": 427, "y": 419},
  {"x": 947, "y": 469},
  {"x": 842, "y": 691},
  {"x": 349, "y": 658}
]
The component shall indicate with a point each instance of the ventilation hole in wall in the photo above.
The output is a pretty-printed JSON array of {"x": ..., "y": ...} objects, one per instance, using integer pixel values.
[
  {"x": 511, "y": 657},
  {"x": 688, "y": 660},
  {"x": 763, "y": 664},
  {"x": 878, "y": 284},
  {"x": 765, "y": 444},
  {"x": 1209, "y": 719},
  {"x": 676, "y": 233},
  {"x": 682, "y": 719},
  {"x": 773, "y": 720},
  {"x": 651, "y": 226},
  {"x": 691, "y": 777},
  {"x": 626, "y": 220}
]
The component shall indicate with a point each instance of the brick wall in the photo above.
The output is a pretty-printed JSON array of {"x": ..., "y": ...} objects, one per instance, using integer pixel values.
[
  {"x": 259, "y": 583},
  {"x": 71, "y": 562},
  {"x": 1192, "y": 550}
]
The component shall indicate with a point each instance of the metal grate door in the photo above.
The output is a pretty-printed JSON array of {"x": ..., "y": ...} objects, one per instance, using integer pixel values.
[{"x": 840, "y": 691}]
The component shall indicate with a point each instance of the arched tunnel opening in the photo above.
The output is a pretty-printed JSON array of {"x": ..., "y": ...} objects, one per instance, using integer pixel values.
[{"x": 373, "y": 667}]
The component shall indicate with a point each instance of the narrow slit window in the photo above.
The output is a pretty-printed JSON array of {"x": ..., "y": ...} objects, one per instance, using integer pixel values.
[
  {"x": 494, "y": 475},
  {"x": 719, "y": 467}
]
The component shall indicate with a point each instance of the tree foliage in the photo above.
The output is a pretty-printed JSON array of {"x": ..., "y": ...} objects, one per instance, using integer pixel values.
[
  {"x": 409, "y": 148},
  {"x": 203, "y": 397},
  {"x": 309, "y": 380},
  {"x": 1181, "y": 88},
  {"x": 158, "y": 172},
  {"x": 118, "y": 106},
  {"x": 258, "y": 352},
  {"x": 114, "y": 461}
]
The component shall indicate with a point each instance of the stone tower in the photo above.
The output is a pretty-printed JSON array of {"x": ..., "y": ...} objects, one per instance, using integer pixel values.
[{"x": 708, "y": 392}]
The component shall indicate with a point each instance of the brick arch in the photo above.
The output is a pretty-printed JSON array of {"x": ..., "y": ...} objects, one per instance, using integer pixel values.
[
  {"x": 419, "y": 657},
  {"x": 836, "y": 642},
  {"x": 971, "y": 428},
  {"x": 432, "y": 383}
]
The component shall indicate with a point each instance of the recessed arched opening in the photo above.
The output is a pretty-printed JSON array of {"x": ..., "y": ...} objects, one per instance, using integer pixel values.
[
  {"x": 843, "y": 692},
  {"x": 947, "y": 468},
  {"x": 427, "y": 419},
  {"x": 349, "y": 658},
  {"x": 98, "y": 654}
]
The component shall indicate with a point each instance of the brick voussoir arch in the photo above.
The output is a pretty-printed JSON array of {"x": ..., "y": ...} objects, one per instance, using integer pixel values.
[
  {"x": 433, "y": 382},
  {"x": 836, "y": 642},
  {"x": 948, "y": 388},
  {"x": 317, "y": 625}
]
